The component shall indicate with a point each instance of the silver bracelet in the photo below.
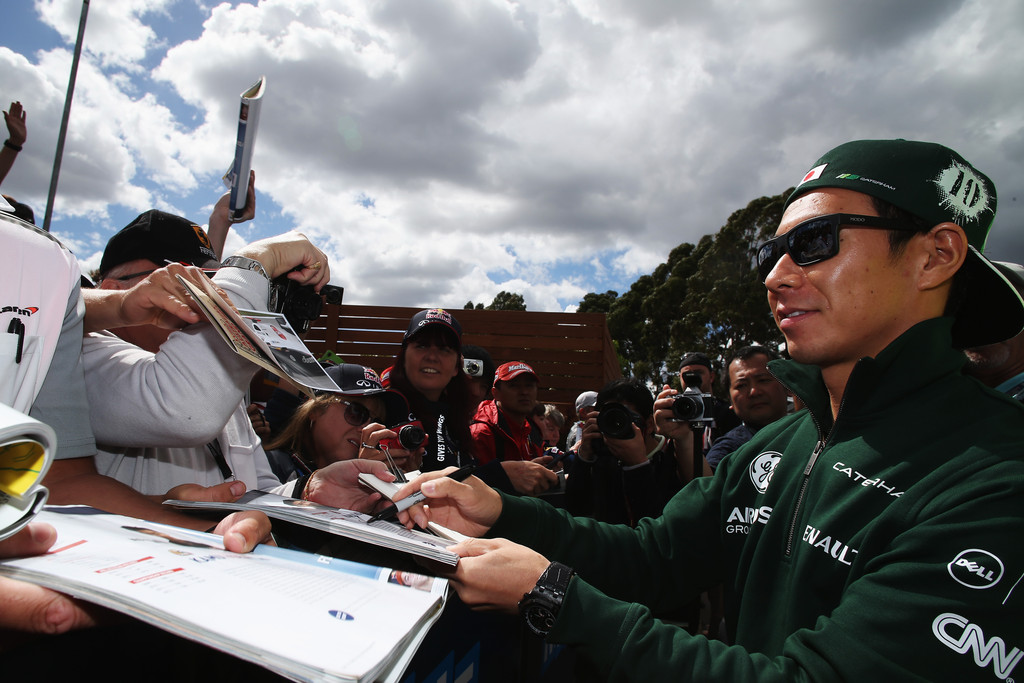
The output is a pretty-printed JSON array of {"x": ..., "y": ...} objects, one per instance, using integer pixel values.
[{"x": 246, "y": 264}]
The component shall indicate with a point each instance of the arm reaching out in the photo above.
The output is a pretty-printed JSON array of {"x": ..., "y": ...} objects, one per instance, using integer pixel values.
[
  {"x": 220, "y": 217},
  {"x": 495, "y": 573},
  {"x": 159, "y": 300}
]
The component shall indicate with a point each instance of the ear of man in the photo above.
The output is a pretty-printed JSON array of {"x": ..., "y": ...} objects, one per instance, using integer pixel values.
[{"x": 943, "y": 250}]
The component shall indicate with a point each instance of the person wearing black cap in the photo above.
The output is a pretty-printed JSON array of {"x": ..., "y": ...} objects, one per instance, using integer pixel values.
[
  {"x": 428, "y": 372},
  {"x": 874, "y": 535},
  {"x": 42, "y": 377},
  {"x": 341, "y": 426},
  {"x": 167, "y": 407}
]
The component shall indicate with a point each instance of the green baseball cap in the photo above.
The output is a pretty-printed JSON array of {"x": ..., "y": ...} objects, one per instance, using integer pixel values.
[{"x": 937, "y": 185}]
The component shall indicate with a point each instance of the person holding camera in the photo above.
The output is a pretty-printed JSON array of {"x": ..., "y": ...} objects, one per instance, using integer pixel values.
[
  {"x": 429, "y": 373},
  {"x": 624, "y": 470},
  {"x": 479, "y": 367},
  {"x": 697, "y": 368},
  {"x": 167, "y": 407}
]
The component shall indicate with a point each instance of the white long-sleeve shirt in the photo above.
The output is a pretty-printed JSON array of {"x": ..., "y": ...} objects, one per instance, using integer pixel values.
[{"x": 153, "y": 414}]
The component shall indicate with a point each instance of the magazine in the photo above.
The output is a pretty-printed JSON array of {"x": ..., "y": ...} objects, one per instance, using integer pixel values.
[
  {"x": 26, "y": 451},
  {"x": 347, "y": 523},
  {"x": 264, "y": 338},
  {"x": 302, "y": 616},
  {"x": 237, "y": 177}
]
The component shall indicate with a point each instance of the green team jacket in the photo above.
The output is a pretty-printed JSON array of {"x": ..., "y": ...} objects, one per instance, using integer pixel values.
[{"x": 888, "y": 546}]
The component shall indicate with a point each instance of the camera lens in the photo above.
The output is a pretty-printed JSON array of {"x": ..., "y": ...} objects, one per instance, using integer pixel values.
[
  {"x": 411, "y": 437},
  {"x": 688, "y": 408},
  {"x": 615, "y": 421},
  {"x": 332, "y": 295}
]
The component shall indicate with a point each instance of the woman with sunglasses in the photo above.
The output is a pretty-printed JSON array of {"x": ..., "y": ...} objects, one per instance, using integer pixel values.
[
  {"x": 428, "y": 372},
  {"x": 342, "y": 426}
]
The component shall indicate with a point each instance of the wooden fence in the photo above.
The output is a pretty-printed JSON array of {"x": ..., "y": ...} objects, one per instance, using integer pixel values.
[{"x": 571, "y": 352}]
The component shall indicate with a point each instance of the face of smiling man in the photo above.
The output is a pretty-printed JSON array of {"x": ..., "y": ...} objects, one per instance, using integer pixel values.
[{"x": 853, "y": 304}]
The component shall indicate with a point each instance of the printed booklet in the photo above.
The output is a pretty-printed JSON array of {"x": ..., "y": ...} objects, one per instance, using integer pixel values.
[{"x": 303, "y": 616}]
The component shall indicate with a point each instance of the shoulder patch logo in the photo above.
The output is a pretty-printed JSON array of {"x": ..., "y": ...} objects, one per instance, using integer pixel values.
[{"x": 761, "y": 469}]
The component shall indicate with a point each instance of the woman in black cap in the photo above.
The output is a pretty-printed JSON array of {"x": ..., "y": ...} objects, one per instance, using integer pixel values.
[
  {"x": 341, "y": 426},
  {"x": 428, "y": 372}
]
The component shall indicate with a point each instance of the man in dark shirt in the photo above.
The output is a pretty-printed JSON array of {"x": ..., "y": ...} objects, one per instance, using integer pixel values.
[{"x": 757, "y": 398}]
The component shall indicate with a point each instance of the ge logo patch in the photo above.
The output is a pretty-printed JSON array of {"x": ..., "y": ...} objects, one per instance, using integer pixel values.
[
  {"x": 976, "y": 568},
  {"x": 761, "y": 469},
  {"x": 340, "y": 615}
]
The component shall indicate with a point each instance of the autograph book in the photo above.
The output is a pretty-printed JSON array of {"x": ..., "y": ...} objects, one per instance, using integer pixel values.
[{"x": 306, "y": 617}]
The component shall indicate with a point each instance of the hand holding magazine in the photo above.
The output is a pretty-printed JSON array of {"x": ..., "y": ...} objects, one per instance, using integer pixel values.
[
  {"x": 248, "y": 121},
  {"x": 264, "y": 338}
]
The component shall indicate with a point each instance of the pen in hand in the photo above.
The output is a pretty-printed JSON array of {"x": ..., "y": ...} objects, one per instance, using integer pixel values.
[{"x": 392, "y": 511}]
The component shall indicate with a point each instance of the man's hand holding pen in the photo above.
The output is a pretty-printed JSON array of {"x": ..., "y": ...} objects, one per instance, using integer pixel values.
[
  {"x": 469, "y": 506},
  {"x": 403, "y": 502}
]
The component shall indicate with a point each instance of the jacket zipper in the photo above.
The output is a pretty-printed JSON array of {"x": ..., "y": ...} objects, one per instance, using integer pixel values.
[{"x": 818, "y": 447}]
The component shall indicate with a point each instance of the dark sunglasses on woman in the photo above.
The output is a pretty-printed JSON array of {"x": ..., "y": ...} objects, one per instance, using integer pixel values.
[{"x": 356, "y": 414}]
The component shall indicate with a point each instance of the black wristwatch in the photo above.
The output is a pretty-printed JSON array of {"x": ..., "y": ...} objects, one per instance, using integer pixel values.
[{"x": 539, "y": 607}]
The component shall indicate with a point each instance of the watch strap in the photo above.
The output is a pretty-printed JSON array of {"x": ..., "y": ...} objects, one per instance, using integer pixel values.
[
  {"x": 246, "y": 264},
  {"x": 539, "y": 608}
]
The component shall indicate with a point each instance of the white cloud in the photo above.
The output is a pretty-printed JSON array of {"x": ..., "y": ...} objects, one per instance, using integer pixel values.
[{"x": 444, "y": 151}]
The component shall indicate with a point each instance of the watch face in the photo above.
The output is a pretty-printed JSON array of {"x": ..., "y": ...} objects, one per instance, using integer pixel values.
[{"x": 539, "y": 618}]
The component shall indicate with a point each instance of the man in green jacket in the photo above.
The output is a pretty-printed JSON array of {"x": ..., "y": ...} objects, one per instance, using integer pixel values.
[{"x": 875, "y": 535}]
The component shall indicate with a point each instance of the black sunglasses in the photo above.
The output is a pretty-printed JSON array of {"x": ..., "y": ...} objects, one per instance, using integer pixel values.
[
  {"x": 356, "y": 414},
  {"x": 817, "y": 239}
]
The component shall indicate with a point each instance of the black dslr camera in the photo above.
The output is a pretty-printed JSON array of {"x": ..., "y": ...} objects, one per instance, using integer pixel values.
[
  {"x": 693, "y": 405},
  {"x": 616, "y": 421},
  {"x": 299, "y": 303}
]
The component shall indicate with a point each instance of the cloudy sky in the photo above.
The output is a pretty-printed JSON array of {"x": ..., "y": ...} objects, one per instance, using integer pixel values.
[{"x": 443, "y": 150}]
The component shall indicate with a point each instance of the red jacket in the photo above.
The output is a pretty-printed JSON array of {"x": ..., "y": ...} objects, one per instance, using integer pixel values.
[{"x": 496, "y": 437}]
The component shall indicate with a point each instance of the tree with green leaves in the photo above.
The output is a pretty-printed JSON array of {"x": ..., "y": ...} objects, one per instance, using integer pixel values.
[
  {"x": 507, "y": 301},
  {"x": 705, "y": 297}
]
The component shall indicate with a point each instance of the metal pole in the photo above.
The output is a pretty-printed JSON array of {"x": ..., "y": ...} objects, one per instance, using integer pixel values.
[{"x": 67, "y": 113}]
